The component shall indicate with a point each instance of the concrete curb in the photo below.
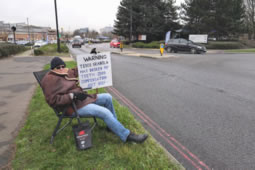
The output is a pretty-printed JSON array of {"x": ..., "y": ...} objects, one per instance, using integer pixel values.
[{"x": 153, "y": 56}]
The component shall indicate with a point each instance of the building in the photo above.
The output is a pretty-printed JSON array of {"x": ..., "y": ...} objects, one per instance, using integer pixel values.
[{"x": 26, "y": 32}]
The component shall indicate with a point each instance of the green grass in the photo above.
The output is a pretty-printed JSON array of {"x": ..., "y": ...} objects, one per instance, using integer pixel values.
[
  {"x": 33, "y": 150},
  {"x": 250, "y": 50}
]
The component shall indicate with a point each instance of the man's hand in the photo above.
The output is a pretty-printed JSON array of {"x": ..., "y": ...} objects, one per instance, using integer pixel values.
[{"x": 80, "y": 96}]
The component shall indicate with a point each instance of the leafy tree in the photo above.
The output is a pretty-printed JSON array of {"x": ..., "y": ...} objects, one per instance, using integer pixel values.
[
  {"x": 229, "y": 17},
  {"x": 219, "y": 17},
  {"x": 250, "y": 16},
  {"x": 197, "y": 15},
  {"x": 150, "y": 17}
]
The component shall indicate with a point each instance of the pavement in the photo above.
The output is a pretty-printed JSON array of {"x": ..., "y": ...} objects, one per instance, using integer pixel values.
[{"x": 16, "y": 89}]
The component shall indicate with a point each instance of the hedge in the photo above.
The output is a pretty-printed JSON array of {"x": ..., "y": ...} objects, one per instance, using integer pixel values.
[
  {"x": 50, "y": 49},
  {"x": 224, "y": 45},
  {"x": 7, "y": 49},
  {"x": 153, "y": 44}
]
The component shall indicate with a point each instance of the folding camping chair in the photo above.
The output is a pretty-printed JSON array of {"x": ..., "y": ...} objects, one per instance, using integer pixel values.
[{"x": 61, "y": 115}]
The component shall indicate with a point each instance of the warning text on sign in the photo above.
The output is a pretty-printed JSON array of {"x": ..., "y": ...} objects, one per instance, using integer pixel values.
[{"x": 95, "y": 70}]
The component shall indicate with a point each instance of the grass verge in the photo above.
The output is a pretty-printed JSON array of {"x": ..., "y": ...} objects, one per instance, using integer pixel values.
[
  {"x": 250, "y": 50},
  {"x": 33, "y": 150},
  {"x": 51, "y": 50}
]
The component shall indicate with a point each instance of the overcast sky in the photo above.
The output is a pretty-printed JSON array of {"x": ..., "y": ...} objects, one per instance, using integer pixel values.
[{"x": 72, "y": 14}]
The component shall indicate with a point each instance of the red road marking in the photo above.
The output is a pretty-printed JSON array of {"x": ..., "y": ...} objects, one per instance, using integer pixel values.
[{"x": 144, "y": 117}]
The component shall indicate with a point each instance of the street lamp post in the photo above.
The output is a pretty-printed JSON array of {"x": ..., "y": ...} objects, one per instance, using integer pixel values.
[
  {"x": 14, "y": 29},
  {"x": 28, "y": 30},
  {"x": 56, "y": 14}
]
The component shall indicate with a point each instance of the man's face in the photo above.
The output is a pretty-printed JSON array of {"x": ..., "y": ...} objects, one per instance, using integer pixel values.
[{"x": 60, "y": 69}]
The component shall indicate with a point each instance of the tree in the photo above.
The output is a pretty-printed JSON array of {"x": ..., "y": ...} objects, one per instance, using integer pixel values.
[
  {"x": 250, "y": 17},
  {"x": 229, "y": 17},
  {"x": 76, "y": 32},
  {"x": 150, "y": 17},
  {"x": 197, "y": 15},
  {"x": 219, "y": 17}
]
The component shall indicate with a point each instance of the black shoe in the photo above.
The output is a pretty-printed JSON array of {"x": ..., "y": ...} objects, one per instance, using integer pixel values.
[{"x": 137, "y": 138}]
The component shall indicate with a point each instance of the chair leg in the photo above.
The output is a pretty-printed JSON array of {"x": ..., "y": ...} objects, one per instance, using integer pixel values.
[
  {"x": 95, "y": 120},
  {"x": 95, "y": 123},
  {"x": 55, "y": 130}
]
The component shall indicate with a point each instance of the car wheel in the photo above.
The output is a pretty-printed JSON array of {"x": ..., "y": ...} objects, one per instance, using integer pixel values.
[
  {"x": 169, "y": 49},
  {"x": 193, "y": 51}
]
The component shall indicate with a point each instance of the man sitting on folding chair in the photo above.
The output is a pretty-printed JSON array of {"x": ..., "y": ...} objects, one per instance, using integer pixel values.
[{"x": 60, "y": 89}]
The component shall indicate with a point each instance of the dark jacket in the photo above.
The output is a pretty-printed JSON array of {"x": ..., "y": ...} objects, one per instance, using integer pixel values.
[{"x": 56, "y": 88}]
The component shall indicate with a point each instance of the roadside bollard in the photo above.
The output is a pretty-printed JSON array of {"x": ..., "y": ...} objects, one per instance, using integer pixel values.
[
  {"x": 121, "y": 46},
  {"x": 162, "y": 46}
]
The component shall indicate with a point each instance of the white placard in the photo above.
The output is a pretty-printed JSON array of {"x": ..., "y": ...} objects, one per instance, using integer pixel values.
[
  {"x": 142, "y": 37},
  {"x": 95, "y": 70},
  {"x": 198, "y": 38}
]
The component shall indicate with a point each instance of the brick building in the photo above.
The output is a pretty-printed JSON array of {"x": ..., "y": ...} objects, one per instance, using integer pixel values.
[{"x": 25, "y": 32}]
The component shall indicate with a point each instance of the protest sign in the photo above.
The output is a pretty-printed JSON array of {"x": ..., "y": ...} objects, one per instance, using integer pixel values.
[{"x": 95, "y": 70}]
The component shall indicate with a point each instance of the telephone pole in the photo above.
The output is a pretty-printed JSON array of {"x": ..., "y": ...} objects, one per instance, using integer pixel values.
[{"x": 56, "y": 14}]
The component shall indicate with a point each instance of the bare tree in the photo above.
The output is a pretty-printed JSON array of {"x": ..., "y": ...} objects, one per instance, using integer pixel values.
[{"x": 251, "y": 17}]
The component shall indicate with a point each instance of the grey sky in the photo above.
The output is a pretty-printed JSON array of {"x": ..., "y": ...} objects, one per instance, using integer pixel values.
[{"x": 72, "y": 14}]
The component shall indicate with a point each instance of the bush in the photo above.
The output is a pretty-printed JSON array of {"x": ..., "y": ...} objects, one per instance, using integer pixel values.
[
  {"x": 224, "y": 45},
  {"x": 7, "y": 49},
  {"x": 38, "y": 52},
  {"x": 153, "y": 44}
]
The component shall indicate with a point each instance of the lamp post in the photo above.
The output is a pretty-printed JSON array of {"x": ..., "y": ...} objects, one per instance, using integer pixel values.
[
  {"x": 28, "y": 30},
  {"x": 14, "y": 29},
  {"x": 56, "y": 14}
]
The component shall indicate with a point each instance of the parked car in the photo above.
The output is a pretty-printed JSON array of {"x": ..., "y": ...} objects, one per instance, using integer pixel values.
[
  {"x": 76, "y": 43},
  {"x": 115, "y": 44},
  {"x": 40, "y": 43},
  {"x": 180, "y": 44},
  {"x": 22, "y": 42}
]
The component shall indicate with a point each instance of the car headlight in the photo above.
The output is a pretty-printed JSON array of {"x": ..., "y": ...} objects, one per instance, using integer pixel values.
[{"x": 199, "y": 47}]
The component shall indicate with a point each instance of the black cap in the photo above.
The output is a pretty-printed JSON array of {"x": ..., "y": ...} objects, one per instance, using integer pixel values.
[{"x": 56, "y": 61}]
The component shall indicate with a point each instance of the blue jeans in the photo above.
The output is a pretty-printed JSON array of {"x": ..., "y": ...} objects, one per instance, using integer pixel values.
[{"x": 103, "y": 109}]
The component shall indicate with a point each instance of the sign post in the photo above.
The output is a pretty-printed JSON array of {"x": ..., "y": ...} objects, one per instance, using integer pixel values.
[{"x": 95, "y": 70}]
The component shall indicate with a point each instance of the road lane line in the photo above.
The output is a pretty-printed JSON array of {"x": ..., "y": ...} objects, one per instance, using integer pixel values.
[
  {"x": 167, "y": 134},
  {"x": 124, "y": 100}
]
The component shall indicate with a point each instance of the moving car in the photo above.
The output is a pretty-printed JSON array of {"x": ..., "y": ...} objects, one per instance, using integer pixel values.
[
  {"x": 115, "y": 44},
  {"x": 180, "y": 44},
  {"x": 76, "y": 43}
]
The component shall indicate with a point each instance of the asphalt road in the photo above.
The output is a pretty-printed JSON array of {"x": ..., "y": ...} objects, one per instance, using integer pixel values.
[{"x": 202, "y": 106}]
